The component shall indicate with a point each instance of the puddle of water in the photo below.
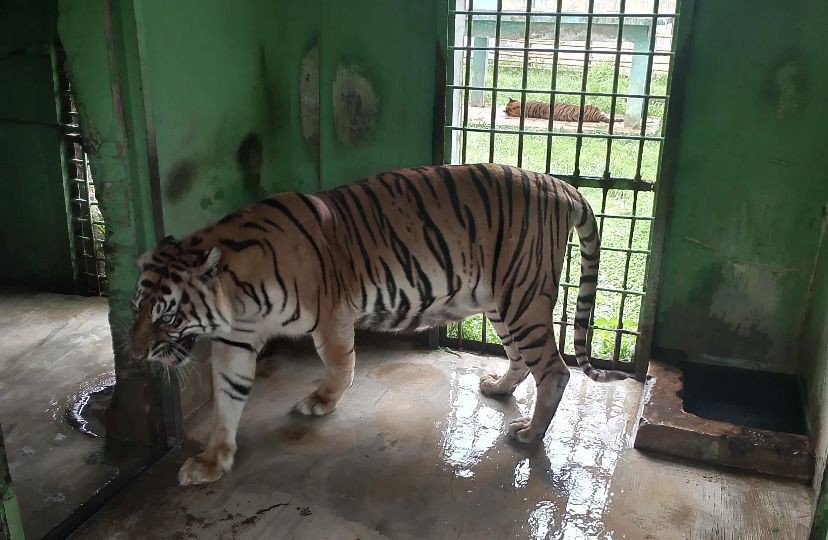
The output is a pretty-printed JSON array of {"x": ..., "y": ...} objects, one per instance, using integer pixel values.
[
  {"x": 566, "y": 483},
  {"x": 90, "y": 396},
  {"x": 76, "y": 407},
  {"x": 472, "y": 428}
]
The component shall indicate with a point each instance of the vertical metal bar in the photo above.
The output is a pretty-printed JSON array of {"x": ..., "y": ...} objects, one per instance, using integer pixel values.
[
  {"x": 483, "y": 333},
  {"x": 553, "y": 86},
  {"x": 565, "y": 303},
  {"x": 498, "y": 19},
  {"x": 467, "y": 56},
  {"x": 616, "y": 353},
  {"x": 616, "y": 73},
  {"x": 523, "y": 83},
  {"x": 584, "y": 78},
  {"x": 647, "y": 90},
  {"x": 601, "y": 218}
]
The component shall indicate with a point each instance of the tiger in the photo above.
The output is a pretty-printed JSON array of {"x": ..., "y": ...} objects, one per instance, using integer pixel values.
[
  {"x": 401, "y": 251},
  {"x": 565, "y": 112}
]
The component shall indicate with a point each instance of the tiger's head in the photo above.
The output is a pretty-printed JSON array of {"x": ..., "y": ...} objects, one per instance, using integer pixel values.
[
  {"x": 512, "y": 108},
  {"x": 177, "y": 299}
]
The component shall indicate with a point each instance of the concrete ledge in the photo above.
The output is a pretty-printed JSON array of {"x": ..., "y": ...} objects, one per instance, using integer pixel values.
[{"x": 665, "y": 427}]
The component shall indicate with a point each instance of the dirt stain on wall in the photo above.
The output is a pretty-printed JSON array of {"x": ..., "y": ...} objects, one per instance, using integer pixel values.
[
  {"x": 180, "y": 179},
  {"x": 355, "y": 106}
]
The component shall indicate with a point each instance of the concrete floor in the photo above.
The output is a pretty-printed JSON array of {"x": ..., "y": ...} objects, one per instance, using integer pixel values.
[
  {"x": 414, "y": 451},
  {"x": 53, "y": 349}
]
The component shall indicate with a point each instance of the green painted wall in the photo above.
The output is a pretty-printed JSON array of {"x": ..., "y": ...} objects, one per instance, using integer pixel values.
[
  {"x": 259, "y": 97},
  {"x": 749, "y": 185},
  {"x": 35, "y": 237}
]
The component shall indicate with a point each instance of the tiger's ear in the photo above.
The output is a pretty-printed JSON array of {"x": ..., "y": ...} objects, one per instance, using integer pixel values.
[
  {"x": 512, "y": 101},
  {"x": 144, "y": 259},
  {"x": 209, "y": 263}
]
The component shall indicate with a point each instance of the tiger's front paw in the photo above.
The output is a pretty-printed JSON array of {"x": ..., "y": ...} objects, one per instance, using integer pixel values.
[
  {"x": 490, "y": 386},
  {"x": 205, "y": 468},
  {"x": 315, "y": 405},
  {"x": 521, "y": 430}
]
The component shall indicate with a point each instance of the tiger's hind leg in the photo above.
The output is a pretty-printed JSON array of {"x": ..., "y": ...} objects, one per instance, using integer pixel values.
[
  {"x": 491, "y": 385},
  {"x": 334, "y": 343},
  {"x": 534, "y": 337}
]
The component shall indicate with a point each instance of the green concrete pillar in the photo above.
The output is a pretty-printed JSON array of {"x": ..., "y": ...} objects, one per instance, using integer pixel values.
[
  {"x": 102, "y": 50},
  {"x": 639, "y": 34},
  {"x": 479, "y": 67}
]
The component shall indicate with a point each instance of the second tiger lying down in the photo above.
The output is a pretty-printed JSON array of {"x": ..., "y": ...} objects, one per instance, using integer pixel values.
[{"x": 400, "y": 251}]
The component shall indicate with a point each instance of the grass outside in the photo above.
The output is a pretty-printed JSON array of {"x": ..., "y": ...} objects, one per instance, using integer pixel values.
[{"x": 618, "y": 270}]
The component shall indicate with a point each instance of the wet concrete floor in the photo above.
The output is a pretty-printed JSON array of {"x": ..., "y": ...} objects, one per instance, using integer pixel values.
[
  {"x": 414, "y": 451},
  {"x": 53, "y": 348}
]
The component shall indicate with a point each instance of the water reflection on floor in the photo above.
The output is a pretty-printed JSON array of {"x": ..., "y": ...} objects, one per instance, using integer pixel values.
[
  {"x": 414, "y": 451},
  {"x": 577, "y": 458}
]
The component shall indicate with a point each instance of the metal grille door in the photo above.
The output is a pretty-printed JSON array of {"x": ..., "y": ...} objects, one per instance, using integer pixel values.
[
  {"x": 613, "y": 55},
  {"x": 88, "y": 227}
]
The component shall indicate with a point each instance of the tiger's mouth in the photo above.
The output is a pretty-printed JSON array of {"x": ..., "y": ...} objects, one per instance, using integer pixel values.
[{"x": 178, "y": 352}]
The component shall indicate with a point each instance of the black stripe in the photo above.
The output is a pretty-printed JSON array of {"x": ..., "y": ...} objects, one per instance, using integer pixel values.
[
  {"x": 242, "y": 389},
  {"x": 484, "y": 197},
  {"x": 305, "y": 199},
  {"x": 241, "y": 246},
  {"x": 451, "y": 187},
  {"x": 274, "y": 203},
  {"x": 318, "y": 311},
  {"x": 238, "y": 344},
  {"x": 231, "y": 396},
  {"x": 252, "y": 225}
]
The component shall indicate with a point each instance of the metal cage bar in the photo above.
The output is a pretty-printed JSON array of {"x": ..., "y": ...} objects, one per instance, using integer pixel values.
[{"x": 615, "y": 165}]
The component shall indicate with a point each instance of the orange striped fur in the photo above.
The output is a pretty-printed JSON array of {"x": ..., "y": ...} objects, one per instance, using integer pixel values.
[
  {"x": 400, "y": 251},
  {"x": 563, "y": 112}
]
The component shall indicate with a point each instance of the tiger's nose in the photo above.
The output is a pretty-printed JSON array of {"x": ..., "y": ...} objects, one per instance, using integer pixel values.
[{"x": 137, "y": 353}]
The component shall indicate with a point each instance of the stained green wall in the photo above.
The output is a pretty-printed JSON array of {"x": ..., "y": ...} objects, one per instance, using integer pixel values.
[
  {"x": 252, "y": 98},
  {"x": 749, "y": 185},
  {"x": 34, "y": 228}
]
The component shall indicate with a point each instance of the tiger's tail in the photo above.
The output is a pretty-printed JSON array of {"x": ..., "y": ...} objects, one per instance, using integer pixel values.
[{"x": 590, "y": 257}]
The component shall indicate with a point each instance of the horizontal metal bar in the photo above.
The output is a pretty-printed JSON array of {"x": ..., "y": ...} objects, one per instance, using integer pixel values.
[
  {"x": 562, "y": 14},
  {"x": 602, "y": 328},
  {"x": 605, "y": 289},
  {"x": 617, "y": 249},
  {"x": 495, "y": 349},
  {"x": 601, "y": 182},
  {"x": 557, "y": 92},
  {"x": 558, "y": 133},
  {"x": 624, "y": 216},
  {"x": 613, "y": 52}
]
